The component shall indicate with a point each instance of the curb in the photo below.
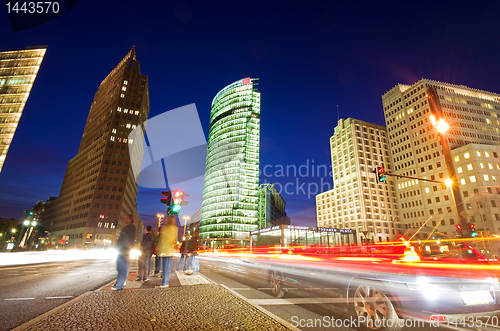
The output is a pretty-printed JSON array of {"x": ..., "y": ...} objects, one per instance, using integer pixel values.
[
  {"x": 268, "y": 313},
  {"x": 50, "y": 312}
]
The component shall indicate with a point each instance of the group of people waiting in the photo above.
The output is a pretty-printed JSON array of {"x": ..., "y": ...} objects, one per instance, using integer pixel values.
[{"x": 163, "y": 245}]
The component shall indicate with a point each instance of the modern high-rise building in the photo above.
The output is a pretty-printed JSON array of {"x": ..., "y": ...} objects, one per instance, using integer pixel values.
[
  {"x": 357, "y": 202},
  {"x": 18, "y": 70},
  {"x": 99, "y": 188},
  {"x": 271, "y": 207},
  {"x": 231, "y": 192},
  {"x": 416, "y": 149}
]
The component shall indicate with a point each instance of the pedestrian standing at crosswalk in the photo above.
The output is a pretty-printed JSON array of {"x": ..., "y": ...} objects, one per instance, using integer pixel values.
[{"x": 167, "y": 247}]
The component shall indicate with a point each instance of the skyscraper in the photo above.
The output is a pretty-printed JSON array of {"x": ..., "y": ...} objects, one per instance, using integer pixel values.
[
  {"x": 473, "y": 118},
  {"x": 99, "y": 188},
  {"x": 18, "y": 70},
  {"x": 231, "y": 193},
  {"x": 357, "y": 201}
]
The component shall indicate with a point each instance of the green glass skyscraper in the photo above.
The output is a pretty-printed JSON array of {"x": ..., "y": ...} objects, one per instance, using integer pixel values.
[{"x": 231, "y": 192}]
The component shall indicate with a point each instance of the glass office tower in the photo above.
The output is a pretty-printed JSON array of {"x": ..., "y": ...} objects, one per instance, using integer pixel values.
[
  {"x": 18, "y": 70},
  {"x": 231, "y": 192}
]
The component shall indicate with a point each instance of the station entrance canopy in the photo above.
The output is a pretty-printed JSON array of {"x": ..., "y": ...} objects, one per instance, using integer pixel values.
[{"x": 290, "y": 235}]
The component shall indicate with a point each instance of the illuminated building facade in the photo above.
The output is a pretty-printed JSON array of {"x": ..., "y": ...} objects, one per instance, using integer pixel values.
[
  {"x": 357, "y": 202},
  {"x": 271, "y": 207},
  {"x": 473, "y": 117},
  {"x": 99, "y": 188},
  {"x": 18, "y": 70},
  {"x": 230, "y": 194}
]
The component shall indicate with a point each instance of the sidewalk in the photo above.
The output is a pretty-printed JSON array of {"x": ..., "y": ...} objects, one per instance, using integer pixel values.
[{"x": 190, "y": 303}]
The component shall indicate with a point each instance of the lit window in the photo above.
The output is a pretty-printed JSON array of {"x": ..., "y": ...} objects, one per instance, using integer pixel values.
[
  {"x": 426, "y": 190},
  {"x": 112, "y": 138},
  {"x": 130, "y": 141},
  {"x": 472, "y": 179},
  {"x": 486, "y": 178},
  {"x": 137, "y": 112},
  {"x": 125, "y": 111},
  {"x": 119, "y": 140},
  {"x": 119, "y": 109},
  {"x": 124, "y": 88},
  {"x": 462, "y": 181},
  {"x": 478, "y": 153},
  {"x": 128, "y": 125},
  {"x": 457, "y": 158},
  {"x": 490, "y": 165},
  {"x": 134, "y": 126},
  {"x": 124, "y": 140},
  {"x": 122, "y": 95},
  {"x": 469, "y": 167},
  {"x": 482, "y": 165},
  {"x": 106, "y": 225},
  {"x": 493, "y": 178},
  {"x": 487, "y": 154},
  {"x": 459, "y": 169},
  {"x": 466, "y": 155},
  {"x": 114, "y": 130},
  {"x": 125, "y": 82}
]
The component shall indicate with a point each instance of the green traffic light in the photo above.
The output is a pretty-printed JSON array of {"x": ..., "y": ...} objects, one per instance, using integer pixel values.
[
  {"x": 31, "y": 213},
  {"x": 473, "y": 234},
  {"x": 176, "y": 208}
]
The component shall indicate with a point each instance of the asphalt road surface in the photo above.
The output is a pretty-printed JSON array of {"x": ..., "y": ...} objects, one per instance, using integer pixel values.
[
  {"x": 30, "y": 290},
  {"x": 301, "y": 306}
]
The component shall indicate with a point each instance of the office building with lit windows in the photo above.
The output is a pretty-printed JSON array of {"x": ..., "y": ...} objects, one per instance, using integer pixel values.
[
  {"x": 99, "y": 188},
  {"x": 271, "y": 207},
  {"x": 18, "y": 70},
  {"x": 357, "y": 202},
  {"x": 231, "y": 188},
  {"x": 472, "y": 117}
]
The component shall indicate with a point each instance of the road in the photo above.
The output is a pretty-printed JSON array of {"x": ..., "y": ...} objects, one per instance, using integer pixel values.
[
  {"x": 30, "y": 290},
  {"x": 300, "y": 306}
]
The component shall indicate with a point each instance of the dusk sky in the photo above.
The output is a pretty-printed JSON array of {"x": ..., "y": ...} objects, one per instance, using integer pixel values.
[{"x": 309, "y": 56}]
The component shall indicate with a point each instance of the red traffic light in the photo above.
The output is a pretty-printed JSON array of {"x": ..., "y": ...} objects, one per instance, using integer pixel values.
[
  {"x": 380, "y": 170},
  {"x": 458, "y": 226},
  {"x": 472, "y": 226},
  {"x": 178, "y": 193}
]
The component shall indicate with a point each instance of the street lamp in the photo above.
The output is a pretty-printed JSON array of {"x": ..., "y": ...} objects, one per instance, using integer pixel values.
[
  {"x": 441, "y": 127},
  {"x": 13, "y": 230},
  {"x": 160, "y": 219},
  {"x": 185, "y": 222},
  {"x": 26, "y": 223}
]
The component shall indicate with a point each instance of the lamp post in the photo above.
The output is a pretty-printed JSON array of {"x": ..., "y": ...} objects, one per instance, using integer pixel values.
[
  {"x": 441, "y": 126},
  {"x": 160, "y": 219},
  {"x": 185, "y": 223}
]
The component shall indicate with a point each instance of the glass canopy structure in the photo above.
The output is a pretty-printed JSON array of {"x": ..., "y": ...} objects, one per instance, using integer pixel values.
[{"x": 230, "y": 193}]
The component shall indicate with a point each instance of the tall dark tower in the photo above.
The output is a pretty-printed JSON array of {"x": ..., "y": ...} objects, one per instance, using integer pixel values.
[{"x": 99, "y": 189}]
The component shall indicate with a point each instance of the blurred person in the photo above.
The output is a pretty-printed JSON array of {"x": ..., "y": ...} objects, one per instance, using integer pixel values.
[
  {"x": 124, "y": 244},
  {"x": 193, "y": 247},
  {"x": 144, "y": 262},
  {"x": 184, "y": 255},
  {"x": 155, "y": 252},
  {"x": 167, "y": 247}
]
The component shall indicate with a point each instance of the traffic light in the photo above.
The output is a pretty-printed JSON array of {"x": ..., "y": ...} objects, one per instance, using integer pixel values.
[
  {"x": 458, "y": 226},
  {"x": 380, "y": 174},
  {"x": 167, "y": 198},
  {"x": 176, "y": 203},
  {"x": 473, "y": 232}
]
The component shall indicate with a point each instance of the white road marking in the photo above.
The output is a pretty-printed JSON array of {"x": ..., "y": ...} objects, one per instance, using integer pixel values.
[
  {"x": 241, "y": 288},
  {"x": 63, "y": 297},
  {"x": 15, "y": 299},
  {"x": 264, "y": 288},
  {"x": 295, "y": 301}
]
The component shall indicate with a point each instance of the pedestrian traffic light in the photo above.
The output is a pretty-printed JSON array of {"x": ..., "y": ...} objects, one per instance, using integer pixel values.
[
  {"x": 473, "y": 232},
  {"x": 177, "y": 197},
  {"x": 380, "y": 174},
  {"x": 167, "y": 197}
]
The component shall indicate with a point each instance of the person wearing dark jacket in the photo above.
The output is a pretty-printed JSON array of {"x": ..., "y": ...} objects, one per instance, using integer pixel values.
[
  {"x": 193, "y": 247},
  {"x": 147, "y": 245},
  {"x": 184, "y": 256},
  {"x": 124, "y": 245}
]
